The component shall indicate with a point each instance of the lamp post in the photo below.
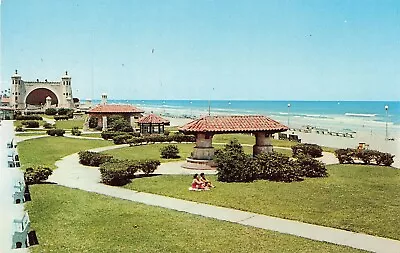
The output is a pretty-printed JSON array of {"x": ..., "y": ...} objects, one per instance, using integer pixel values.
[
  {"x": 288, "y": 116},
  {"x": 386, "y": 109}
]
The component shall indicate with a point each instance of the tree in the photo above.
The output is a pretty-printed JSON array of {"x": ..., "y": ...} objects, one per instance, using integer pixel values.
[{"x": 119, "y": 124}]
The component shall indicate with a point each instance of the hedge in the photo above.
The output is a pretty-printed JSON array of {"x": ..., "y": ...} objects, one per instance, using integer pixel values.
[
  {"x": 55, "y": 132},
  {"x": 30, "y": 123},
  {"x": 28, "y": 117},
  {"x": 120, "y": 172},
  {"x": 233, "y": 165},
  {"x": 307, "y": 149},
  {"x": 366, "y": 156},
  {"x": 35, "y": 175},
  {"x": 75, "y": 131},
  {"x": 93, "y": 158},
  {"x": 169, "y": 151},
  {"x": 161, "y": 138},
  {"x": 50, "y": 111},
  {"x": 111, "y": 134}
]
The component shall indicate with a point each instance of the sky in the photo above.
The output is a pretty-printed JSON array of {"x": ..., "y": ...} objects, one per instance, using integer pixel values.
[{"x": 204, "y": 49}]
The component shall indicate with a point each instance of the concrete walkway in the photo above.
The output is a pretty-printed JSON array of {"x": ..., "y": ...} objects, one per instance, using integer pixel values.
[{"x": 74, "y": 175}]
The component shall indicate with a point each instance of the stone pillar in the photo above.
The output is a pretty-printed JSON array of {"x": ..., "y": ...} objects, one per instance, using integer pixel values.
[
  {"x": 104, "y": 123},
  {"x": 203, "y": 149},
  {"x": 263, "y": 143}
]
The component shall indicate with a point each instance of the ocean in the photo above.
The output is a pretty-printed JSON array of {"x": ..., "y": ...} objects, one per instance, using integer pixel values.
[{"x": 333, "y": 115}]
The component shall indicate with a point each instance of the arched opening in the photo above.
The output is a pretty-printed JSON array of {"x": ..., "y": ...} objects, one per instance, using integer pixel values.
[{"x": 38, "y": 97}]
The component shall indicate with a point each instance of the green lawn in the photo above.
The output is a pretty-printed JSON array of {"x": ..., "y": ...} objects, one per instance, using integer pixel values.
[
  {"x": 354, "y": 197},
  {"x": 47, "y": 150},
  {"x": 152, "y": 151},
  {"x": 69, "y": 124},
  {"x": 248, "y": 139},
  {"x": 70, "y": 220},
  {"x": 31, "y": 133},
  {"x": 97, "y": 135}
]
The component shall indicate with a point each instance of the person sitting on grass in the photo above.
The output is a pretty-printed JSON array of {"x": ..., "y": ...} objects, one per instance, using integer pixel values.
[
  {"x": 197, "y": 183},
  {"x": 205, "y": 181}
]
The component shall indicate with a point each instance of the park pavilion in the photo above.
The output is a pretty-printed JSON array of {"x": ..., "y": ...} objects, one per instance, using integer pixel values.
[
  {"x": 152, "y": 124},
  {"x": 205, "y": 128}
]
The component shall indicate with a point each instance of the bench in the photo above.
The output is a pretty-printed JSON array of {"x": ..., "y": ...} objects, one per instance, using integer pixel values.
[
  {"x": 19, "y": 192},
  {"x": 21, "y": 229}
]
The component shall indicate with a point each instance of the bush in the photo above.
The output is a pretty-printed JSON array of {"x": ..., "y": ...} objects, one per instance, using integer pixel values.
[
  {"x": 19, "y": 129},
  {"x": 119, "y": 124},
  {"x": 63, "y": 111},
  {"x": 47, "y": 125},
  {"x": 366, "y": 156},
  {"x": 93, "y": 158},
  {"x": 310, "y": 167},
  {"x": 345, "y": 155},
  {"x": 312, "y": 150},
  {"x": 61, "y": 117},
  {"x": 30, "y": 124},
  {"x": 277, "y": 167},
  {"x": 169, "y": 151},
  {"x": 50, "y": 111},
  {"x": 114, "y": 173},
  {"x": 28, "y": 117},
  {"x": 121, "y": 139},
  {"x": 54, "y": 132},
  {"x": 385, "y": 159},
  {"x": 233, "y": 165},
  {"x": 166, "y": 132},
  {"x": 148, "y": 166},
  {"x": 93, "y": 122},
  {"x": 75, "y": 131},
  {"x": 35, "y": 175}
]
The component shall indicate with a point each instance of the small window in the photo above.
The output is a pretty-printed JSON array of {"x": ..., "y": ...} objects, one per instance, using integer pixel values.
[
  {"x": 16, "y": 98},
  {"x": 19, "y": 93}
]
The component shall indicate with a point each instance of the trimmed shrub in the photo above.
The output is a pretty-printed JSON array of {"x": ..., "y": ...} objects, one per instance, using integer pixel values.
[
  {"x": 62, "y": 117},
  {"x": 94, "y": 159},
  {"x": 19, "y": 129},
  {"x": 307, "y": 149},
  {"x": 166, "y": 132},
  {"x": 148, "y": 166},
  {"x": 385, "y": 159},
  {"x": 169, "y": 151},
  {"x": 63, "y": 111},
  {"x": 54, "y": 132},
  {"x": 75, "y": 131},
  {"x": 121, "y": 139},
  {"x": 47, "y": 125},
  {"x": 233, "y": 165},
  {"x": 35, "y": 175},
  {"x": 345, "y": 155},
  {"x": 50, "y": 111},
  {"x": 310, "y": 167},
  {"x": 28, "y": 117},
  {"x": 114, "y": 173},
  {"x": 30, "y": 123},
  {"x": 277, "y": 167}
]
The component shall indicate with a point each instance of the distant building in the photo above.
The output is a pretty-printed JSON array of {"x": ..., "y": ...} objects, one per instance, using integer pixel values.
[
  {"x": 152, "y": 124},
  {"x": 33, "y": 94},
  {"x": 129, "y": 112},
  {"x": 5, "y": 101}
]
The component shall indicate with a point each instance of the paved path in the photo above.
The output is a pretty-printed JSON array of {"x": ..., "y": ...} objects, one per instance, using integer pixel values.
[{"x": 74, "y": 175}]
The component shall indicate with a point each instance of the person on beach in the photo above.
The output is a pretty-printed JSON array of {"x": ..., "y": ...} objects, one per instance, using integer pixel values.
[
  {"x": 205, "y": 181},
  {"x": 197, "y": 183}
]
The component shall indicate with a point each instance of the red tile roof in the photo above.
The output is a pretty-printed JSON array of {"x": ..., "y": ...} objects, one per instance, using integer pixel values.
[
  {"x": 5, "y": 100},
  {"x": 233, "y": 124},
  {"x": 153, "y": 119},
  {"x": 115, "y": 109}
]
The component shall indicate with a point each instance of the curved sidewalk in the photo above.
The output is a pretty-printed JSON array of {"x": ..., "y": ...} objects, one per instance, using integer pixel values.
[{"x": 74, "y": 175}]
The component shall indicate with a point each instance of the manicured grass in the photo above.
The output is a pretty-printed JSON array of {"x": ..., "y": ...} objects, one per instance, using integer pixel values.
[
  {"x": 69, "y": 124},
  {"x": 97, "y": 135},
  {"x": 248, "y": 139},
  {"x": 152, "y": 151},
  {"x": 36, "y": 133},
  {"x": 47, "y": 150},
  {"x": 70, "y": 220},
  {"x": 354, "y": 197}
]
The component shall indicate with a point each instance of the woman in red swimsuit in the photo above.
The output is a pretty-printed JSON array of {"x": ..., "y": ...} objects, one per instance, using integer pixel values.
[{"x": 196, "y": 183}]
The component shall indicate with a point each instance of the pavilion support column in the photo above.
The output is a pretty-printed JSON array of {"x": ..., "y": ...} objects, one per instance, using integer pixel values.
[
  {"x": 263, "y": 143},
  {"x": 203, "y": 149},
  {"x": 133, "y": 123},
  {"x": 104, "y": 123}
]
